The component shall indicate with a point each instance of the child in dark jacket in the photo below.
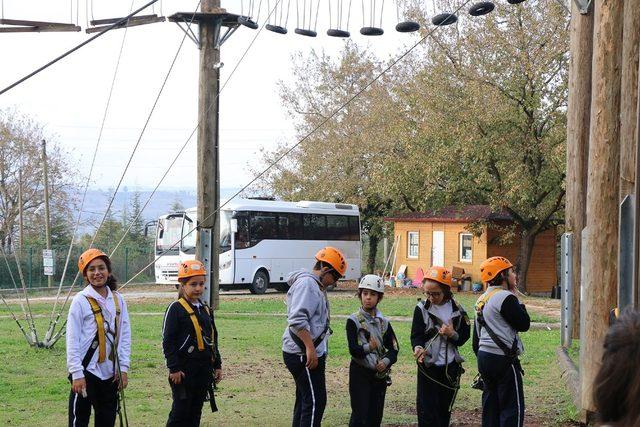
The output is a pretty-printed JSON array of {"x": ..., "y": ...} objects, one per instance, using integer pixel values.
[
  {"x": 190, "y": 343},
  {"x": 374, "y": 348},
  {"x": 440, "y": 326}
]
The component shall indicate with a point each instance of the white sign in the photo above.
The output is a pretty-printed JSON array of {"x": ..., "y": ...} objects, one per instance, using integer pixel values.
[{"x": 48, "y": 262}]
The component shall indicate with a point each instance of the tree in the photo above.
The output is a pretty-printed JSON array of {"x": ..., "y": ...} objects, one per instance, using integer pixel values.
[
  {"x": 334, "y": 164},
  {"x": 477, "y": 116},
  {"x": 492, "y": 128},
  {"x": 177, "y": 205},
  {"x": 21, "y": 166},
  {"x": 136, "y": 222}
]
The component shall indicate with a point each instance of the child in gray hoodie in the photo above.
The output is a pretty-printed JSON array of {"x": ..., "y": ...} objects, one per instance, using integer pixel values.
[{"x": 304, "y": 342}]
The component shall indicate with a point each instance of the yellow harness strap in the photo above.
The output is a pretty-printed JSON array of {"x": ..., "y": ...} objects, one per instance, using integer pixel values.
[
  {"x": 183, "y": 302},
  {"x": 485, "y": 298},
  {"x": 97, "y": 314}
]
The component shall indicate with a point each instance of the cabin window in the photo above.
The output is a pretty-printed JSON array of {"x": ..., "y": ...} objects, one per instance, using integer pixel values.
[
  {"x": 413, "y": 238},
  {"x": 466, "y": 252}
]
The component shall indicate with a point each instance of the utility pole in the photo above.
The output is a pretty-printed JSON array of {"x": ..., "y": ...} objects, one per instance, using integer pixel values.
[
  {"x": 208, "y": 132},
  {"x": 578, "y": 117},
  {"x": 211, "y": 20},
  {"x": 47, "y": 219},
  {"x": 600, "y": 272}
]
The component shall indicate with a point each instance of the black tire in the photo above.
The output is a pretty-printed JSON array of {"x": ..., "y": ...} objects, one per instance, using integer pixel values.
[{"x": 260, "y": 283}]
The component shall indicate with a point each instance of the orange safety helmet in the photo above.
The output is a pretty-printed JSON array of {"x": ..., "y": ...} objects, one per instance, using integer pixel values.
[
  {"x": 439, "y": 274},
  {"x": 334, "y": 258},
  {"x": 191, "y": 268},
  {"x": 88, "y": 256},
  {"x": 491, "y": 267}
]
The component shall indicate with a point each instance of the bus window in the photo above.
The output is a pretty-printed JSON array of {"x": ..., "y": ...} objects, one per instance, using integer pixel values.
[
  {"x": 242, "y": 235},
  {"x": 188, "y": 236},
  {"x": 354, "y": 228},
  {"x": 289, "y": 226},
  {"x": 262, "y": 226},
  {"x": 225, "y": 231},
  {"x": 338, "y": 227},
  {"x": 169, "y": 231},
  {"x": 315, "y": 226}
]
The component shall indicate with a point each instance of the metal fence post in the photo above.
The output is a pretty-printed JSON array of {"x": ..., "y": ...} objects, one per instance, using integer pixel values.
[
  {"x": 30, "y": 266},
  {"x": 126, "y": 264},
  {"x": 566, "y": 285}
]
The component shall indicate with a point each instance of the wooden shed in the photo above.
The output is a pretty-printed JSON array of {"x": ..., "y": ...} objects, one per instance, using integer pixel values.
[{"x": 444, "y": 238}]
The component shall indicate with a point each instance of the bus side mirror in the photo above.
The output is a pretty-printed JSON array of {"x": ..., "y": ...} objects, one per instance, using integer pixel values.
[
  {"x": 150, "y": 224},
  {"x": 234, "y": 225}
]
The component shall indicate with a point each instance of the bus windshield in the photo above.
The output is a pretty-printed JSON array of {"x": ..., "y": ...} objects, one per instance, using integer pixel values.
[
  {"x": 189, "y": 237},
  {"x": 189, "y": 242},
  {"x": 225, "y": 231},
  {"x": 169, "y": 229}
]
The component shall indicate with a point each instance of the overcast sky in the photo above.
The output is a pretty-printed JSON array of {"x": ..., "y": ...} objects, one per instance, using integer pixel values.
[{"x": 69, "y": 98}]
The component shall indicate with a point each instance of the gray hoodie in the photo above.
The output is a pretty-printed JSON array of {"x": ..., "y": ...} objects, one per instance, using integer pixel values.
[{"x": 307, "y": 308}]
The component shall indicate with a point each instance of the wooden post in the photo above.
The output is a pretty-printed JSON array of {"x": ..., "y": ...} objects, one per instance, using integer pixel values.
[
  {"x": 208, "y": 173},
  {"x": 629, "y": 95},
  {"x": 599, "y": 288},
  {"x": 20, "y": 211},
  {"x": 47, "y": 218},
  {"x": 578, "y": 115},
  {"x": 629, "y": 120}
]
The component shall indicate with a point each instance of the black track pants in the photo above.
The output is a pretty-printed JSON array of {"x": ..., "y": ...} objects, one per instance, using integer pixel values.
[
  {"x": 367, "y": 396},
  {"x": 102, "y": 395},
  {"x": 188, "y": 396},
  {"x": 311, "y": 391},
  {"x": 433, "y": 401},
  {"x": 503, "y": 396}
]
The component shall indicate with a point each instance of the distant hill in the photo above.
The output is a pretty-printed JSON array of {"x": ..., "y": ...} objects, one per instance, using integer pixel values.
[{"x": 161, "y": 203}]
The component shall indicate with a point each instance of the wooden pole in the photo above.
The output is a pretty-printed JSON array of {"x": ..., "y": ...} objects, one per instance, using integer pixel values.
[
  {"x": 629, "y": 95},
  {"x": 578, "y": 116},
  {"x": 20, "y": 211},
  {"x": 208, "y": 173},
  {"x": 629, "y": 121},
  {"x": 599, "y": 290},
  {"x": 47, "y": 217}
]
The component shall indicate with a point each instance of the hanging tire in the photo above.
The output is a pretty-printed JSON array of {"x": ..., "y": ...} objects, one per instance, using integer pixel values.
[{"x": 260, "y": 283}]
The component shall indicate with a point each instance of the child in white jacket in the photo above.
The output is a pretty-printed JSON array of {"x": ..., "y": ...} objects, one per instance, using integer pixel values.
[{"x": 98, "y": 344}]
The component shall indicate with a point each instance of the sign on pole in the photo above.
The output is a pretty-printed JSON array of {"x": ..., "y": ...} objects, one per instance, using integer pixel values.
[{"x": 48, "y": 262}]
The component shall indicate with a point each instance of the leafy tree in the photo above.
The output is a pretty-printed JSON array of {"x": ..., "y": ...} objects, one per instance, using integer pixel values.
[
  {"x": 21, "y": 167},
  {"x": 492, "y": 127},
  {"x": 336, "y": 163},
  {"x": 475, "y": 116}
]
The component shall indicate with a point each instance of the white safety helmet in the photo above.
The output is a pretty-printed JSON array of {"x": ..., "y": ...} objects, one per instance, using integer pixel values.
[{"x": 372, "y": 282}]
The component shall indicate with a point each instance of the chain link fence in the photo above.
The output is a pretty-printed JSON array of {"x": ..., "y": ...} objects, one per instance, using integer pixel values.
[{"x": 126, "y": 262}]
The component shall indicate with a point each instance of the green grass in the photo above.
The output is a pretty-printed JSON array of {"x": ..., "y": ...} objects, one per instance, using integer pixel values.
[{"x": 257, "y": 388}]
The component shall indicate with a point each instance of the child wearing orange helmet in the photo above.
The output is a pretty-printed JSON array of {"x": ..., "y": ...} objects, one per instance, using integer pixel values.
[
  {"x": 440, "y": 327},
  {"x": 497, "y": 345},
  {"x": 304, "y": 342},
  {"x": 98, "y": 343},
  {"x": 190, "y": 345}
]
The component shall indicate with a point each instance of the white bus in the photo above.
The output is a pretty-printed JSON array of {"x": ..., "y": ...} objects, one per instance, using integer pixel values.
[{"x": 262, "y": 241}]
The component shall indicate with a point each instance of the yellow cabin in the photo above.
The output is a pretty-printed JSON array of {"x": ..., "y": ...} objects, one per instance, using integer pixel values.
[{"x": 423, "y": 239}]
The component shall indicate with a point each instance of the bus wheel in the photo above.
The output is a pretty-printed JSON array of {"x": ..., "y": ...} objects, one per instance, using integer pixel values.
[{"x": 260, "y": 283}]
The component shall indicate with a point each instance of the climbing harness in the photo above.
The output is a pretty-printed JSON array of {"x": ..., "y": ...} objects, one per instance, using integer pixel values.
[{"x": 380, "y": 350}]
